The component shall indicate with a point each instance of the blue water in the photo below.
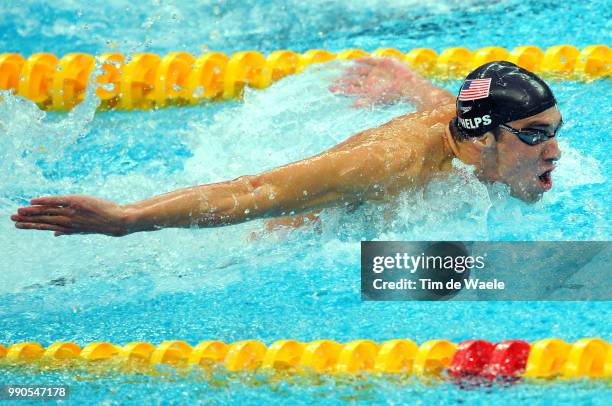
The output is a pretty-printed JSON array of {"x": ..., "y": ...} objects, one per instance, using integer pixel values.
[{"x": 221, "y": 284}]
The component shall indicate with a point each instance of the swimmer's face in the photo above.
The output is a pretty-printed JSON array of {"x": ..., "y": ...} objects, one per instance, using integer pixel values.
[{"x": 527, "y": 168}]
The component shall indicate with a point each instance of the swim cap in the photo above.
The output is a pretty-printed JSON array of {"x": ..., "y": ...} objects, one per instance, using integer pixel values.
[{"x": 496, "y": 93}]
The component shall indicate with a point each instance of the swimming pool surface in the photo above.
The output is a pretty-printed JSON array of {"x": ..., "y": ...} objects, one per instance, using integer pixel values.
[{"x": 221, "y": 284}]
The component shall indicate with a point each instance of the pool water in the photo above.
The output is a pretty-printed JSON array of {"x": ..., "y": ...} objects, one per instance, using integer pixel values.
[{"x": 193, "y": 285}]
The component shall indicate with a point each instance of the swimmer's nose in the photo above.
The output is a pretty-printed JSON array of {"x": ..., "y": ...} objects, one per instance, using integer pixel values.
[{"x": 551, "y": 151}]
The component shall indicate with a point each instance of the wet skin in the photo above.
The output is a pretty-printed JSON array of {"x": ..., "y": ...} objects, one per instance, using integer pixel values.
[{"x": 375, "y": 164}]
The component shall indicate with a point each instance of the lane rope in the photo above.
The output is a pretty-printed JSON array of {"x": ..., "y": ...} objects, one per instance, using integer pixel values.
[
  {"x": 511, "y": 359},
  {"x": 146, "y": 80}
]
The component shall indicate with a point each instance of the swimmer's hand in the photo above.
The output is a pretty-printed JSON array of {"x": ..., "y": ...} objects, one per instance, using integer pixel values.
[
  {"x": 375, "y": 81},
  {"x": 384, "y": 81},
  {"x": 293, "y": 222},
  {"x": 73, "y": 214}
]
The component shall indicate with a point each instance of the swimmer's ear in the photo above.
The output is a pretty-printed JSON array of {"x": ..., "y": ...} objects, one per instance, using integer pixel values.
[
  {"x": 485, "y": 141},
  {"x": 472, "y": 150},
  {"x": 477, "y": 150}
]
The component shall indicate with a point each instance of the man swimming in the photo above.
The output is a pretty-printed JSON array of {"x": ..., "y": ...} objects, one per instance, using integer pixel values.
[{"x": 503, "y": 122}]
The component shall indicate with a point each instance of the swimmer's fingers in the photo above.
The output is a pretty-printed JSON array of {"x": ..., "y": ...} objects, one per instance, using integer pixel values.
[
  {"x": 74, "y": 214},
  {"x": 66, "y": 201},
  {"x": 58, "y": 229},
  {"x": 43, "y": 226},
  {"x": 352, "y": 89},
  {"x": 358, "y": 70},
  {"x": 53, "y": 220},
  {"x": 347, "y": 86},
  {"x": 353, "y": 76},
  {"x": 345, "y": 89},
  {"x": 45, "y": 210},
  {"x": 351, "y": 80}
]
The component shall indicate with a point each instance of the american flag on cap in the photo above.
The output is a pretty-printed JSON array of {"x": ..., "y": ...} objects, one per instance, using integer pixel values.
[{"x": 475, "y": 89}]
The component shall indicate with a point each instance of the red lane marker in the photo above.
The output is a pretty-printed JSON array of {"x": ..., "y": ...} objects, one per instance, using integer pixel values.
[
  {"x": 509, "y": 359},
  {"x": 471, "y": 357}
]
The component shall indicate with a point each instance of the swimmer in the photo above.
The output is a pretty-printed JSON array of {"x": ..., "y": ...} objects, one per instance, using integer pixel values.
[{"x": 503, "y": 122}]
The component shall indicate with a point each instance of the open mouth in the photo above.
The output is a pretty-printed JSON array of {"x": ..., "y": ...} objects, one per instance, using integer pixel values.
[{"x": 546, "y": 180}]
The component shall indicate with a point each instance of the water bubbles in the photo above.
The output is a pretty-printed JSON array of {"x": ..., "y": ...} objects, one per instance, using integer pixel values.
[
  {"x": 272, "y": 196},
  {"x": 214, "y": 35},
  {"x": 216, "y": 10},
  {"x": 247, "y": 211},
  {"x": 147, "y": 24},
  {"x": 216, "y": 70}
]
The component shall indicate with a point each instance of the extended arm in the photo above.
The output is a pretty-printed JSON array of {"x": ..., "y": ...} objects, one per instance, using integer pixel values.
[
  {"x": 346, "y": 173},
  {"x": 305, "y": 185}
]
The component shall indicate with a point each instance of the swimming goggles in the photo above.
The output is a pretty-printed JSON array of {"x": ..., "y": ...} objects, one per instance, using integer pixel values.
[{"x": 531, "y": 136}]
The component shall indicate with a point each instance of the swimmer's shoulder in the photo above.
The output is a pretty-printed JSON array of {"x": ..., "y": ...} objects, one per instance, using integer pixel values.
[
  {"x": 424, "y": 119},
  {"x": 403, "y": 133},
  {"x": 442, "y": 114}
]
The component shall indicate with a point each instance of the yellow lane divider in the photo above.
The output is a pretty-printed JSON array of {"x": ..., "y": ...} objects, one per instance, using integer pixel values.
[
  {"x": 146, "y": 80},
  {"x": 547, "y": 358}
]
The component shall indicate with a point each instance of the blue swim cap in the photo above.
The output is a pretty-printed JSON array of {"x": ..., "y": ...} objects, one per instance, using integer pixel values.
[{"x": 496, "y": 93}]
